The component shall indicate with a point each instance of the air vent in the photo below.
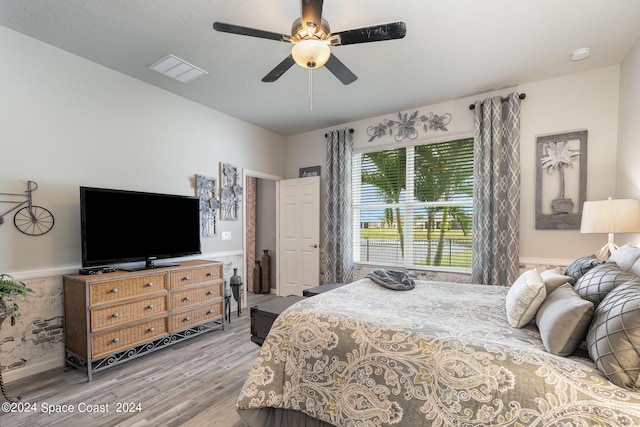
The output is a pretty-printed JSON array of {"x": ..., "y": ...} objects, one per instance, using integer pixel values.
[{"x": 177, "y": 69}]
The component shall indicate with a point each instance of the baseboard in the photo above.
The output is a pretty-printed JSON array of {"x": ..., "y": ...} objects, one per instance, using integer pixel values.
[
  {"x": 47, "y": 365},
  {"x": 545, "y": 261}
]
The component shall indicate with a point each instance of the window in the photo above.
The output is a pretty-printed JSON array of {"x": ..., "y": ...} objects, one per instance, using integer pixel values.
[{"x": 413, "y": 206}]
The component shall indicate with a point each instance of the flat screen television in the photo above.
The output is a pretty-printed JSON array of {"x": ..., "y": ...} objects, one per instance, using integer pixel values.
[{"x": 119, "y": 226}]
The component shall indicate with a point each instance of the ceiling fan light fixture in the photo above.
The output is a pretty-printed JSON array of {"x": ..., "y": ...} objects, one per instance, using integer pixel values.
[{"x": 311, "y": 53}]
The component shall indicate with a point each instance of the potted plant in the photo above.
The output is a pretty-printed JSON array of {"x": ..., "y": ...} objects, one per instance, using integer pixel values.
[{"x": 10, "y": 290}]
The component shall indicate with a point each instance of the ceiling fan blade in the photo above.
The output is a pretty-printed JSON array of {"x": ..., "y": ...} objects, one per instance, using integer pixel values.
[
  {"x": 340, "y": 70},
  {"x": 311, "y": 11},
  {"x": 246, "y": 31},
  {"x": 280, "y": 69},
  {"x": 374, "y": 33}
]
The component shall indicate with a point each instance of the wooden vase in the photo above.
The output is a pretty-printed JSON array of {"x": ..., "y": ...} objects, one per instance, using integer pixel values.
[{"x": 266, "y": 272}]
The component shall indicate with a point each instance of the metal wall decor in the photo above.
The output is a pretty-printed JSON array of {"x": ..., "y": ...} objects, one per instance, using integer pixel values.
[
  {"x": 207, "y": 187},
  {"x": 30, "y": 219},
  {"x": 561, "y": 180},
  {"x": 407, "y": 126},
  {"x": 231, "y": 192}
]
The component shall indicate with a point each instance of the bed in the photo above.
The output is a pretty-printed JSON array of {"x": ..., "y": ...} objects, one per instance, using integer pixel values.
[{"x": 441, "y": 354}]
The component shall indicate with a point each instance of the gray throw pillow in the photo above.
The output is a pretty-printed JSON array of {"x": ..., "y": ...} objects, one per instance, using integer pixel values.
[
  {"x": 600, "y": 280},
  {"x": 613, "y": 340},
  {"x": 635, "y": 268},
  {"x": 554, "y": 278},
  {"x": 563, "y": 320},
  {"x": 580, "y": 266}
]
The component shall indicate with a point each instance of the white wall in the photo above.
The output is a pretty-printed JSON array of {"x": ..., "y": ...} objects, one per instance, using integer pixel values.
[
  {"x": 628, "y": 172},
  {"x": 628, "y": 153},
  {"x": 67, "y": 122},
  {"x": 580, "y": 101},
  {"x": 266, "y": 224}
]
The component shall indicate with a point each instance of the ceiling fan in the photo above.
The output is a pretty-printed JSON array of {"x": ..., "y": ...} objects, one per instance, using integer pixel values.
[{"x": 312, "y": 38}]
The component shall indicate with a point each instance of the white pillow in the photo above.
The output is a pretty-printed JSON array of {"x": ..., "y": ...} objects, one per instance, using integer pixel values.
[
  {"x": 625, "y": 256},
  {"x": 524, "y": 298}
]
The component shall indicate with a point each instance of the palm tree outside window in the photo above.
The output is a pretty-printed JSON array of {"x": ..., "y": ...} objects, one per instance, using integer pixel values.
[{"x": 413, "y": 205}]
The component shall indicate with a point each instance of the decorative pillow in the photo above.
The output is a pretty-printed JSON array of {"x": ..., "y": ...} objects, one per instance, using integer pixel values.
[
  {"x": 563, "y": 320},
  {"x": 554, "y": 278},
  {"x": 580, "y": 266},
  {"x": 613, "y": 340},
  {"x": 600, "y": 280},
  {"x": 635, "y": 268},
  {"x": 625, "y": 256},
  {"x": 524, "y": 297}
]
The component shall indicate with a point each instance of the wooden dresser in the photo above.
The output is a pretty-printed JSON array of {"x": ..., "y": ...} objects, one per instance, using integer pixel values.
[{"x": 114, "y": 317}]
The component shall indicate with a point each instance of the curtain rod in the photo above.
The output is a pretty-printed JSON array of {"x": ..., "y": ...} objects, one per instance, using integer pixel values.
[
  {"x": 521, "y": 96},
  {"x": 327, "y": 134}
]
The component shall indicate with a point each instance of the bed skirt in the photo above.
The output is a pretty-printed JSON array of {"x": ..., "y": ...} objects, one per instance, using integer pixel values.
[{"x": 277, "y": 417}]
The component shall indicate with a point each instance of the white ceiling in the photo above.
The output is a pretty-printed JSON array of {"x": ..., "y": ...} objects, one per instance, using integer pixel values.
[{"x": 452, "y": 49}]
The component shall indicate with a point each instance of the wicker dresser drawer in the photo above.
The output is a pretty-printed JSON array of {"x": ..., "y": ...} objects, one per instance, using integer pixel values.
[
  {"x": 194, "y": 296},
  {"x": 118, "y": 314},
  {"x": 110, "y": 341},
  {"x": 119, "y": 289},
  {"x": 113, "y": 317},
  {"x": 200, "y": 314},
  {"x": 194, "y": 276}
]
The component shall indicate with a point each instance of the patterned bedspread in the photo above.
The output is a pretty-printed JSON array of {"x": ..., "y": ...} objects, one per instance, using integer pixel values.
[{"x": 441, "y": 354}]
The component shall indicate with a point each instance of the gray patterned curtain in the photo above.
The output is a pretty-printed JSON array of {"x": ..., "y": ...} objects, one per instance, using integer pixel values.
[
  {"x": 338, "y": 259},
  {"x": 496, "y": 200}
]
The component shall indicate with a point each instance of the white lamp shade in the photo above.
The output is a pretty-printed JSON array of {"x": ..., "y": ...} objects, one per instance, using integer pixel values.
[
  {"x": 311, "y": 53},
  {"x": 611, "y": 216}
]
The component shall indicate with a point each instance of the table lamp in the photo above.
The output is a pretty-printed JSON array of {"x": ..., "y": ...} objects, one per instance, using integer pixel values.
[{"x": 610, "y": 216}]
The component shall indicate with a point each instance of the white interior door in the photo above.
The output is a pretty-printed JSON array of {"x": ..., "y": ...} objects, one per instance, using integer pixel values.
[{"x": 299, "y": 256}]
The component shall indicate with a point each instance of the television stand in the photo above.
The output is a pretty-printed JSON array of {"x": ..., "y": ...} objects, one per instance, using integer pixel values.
[{"x": 115, "y": 317}]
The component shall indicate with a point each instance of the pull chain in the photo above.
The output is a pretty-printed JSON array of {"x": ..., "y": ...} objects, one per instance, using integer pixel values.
[{"x": 310, "y": 90}]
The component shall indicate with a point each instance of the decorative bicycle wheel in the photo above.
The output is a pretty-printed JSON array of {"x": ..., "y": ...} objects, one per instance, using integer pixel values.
[{"x": 34, "y": 222}]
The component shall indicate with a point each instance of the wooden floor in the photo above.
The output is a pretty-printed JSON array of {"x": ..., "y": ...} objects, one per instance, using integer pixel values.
[{"x": 193, "y": 383}]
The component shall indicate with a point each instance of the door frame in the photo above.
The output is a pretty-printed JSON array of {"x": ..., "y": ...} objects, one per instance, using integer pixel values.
[{"x": 270, "y": 177}]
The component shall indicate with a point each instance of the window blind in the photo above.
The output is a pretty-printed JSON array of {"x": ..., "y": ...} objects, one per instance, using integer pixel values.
[{"x": 413, "y": 205}]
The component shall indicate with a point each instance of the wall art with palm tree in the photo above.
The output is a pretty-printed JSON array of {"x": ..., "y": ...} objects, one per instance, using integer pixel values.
[{"x": 561, "y": 180}]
